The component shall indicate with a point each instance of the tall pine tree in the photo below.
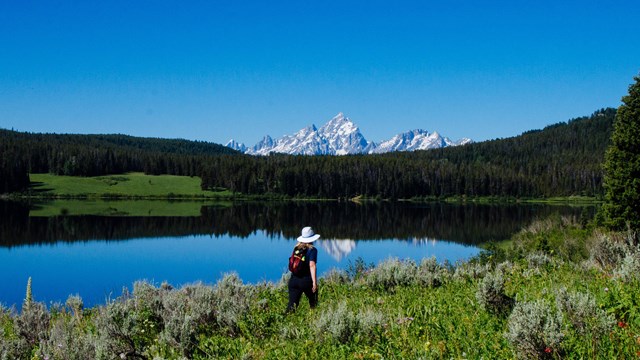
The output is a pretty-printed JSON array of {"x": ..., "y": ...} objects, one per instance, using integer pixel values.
[{"x": 622, "y": 165}]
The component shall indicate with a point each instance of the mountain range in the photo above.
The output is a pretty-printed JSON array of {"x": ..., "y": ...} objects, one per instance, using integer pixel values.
[{"x": 341, "y": 136}]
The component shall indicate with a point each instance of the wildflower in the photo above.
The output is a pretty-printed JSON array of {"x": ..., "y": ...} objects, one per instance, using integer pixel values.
[
  {"x": 606, "y": 289},
  {"x": 622, "y": 324},
  {"x": 123, "y": 356},
  {"x": 547, "y": 350}
]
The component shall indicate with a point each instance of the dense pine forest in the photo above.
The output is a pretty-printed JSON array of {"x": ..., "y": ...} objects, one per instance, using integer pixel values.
[
  {"x": 93, "y": 155},
  {"x": 560, "y": 160}
]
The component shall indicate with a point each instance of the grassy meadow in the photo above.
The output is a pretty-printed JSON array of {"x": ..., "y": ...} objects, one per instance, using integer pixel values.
[
  {"x": 131, "y": 185},
  {"x": 557, "y": 290}
]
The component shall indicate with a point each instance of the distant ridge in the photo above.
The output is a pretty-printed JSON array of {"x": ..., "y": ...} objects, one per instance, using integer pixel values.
[{"x": 341, "y": 136}]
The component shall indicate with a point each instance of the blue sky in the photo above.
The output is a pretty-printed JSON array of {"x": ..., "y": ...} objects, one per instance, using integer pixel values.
[{"x": 215, "y": 70}]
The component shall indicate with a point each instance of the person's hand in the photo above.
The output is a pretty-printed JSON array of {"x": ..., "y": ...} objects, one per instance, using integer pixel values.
[{"x": 314, "y": 287}]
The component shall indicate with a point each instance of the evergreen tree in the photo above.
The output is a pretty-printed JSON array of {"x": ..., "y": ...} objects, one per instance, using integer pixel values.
[{"x": 622, "y": 165}]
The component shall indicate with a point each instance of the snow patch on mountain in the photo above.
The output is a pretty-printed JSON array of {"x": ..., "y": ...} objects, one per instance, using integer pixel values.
[{"x": 341, "y": 136}]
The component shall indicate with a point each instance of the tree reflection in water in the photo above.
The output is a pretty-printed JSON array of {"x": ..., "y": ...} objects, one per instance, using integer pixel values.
[{"x": 470, "y": 224}]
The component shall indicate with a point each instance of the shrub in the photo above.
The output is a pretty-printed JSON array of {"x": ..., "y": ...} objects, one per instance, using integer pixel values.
[
  {"x": 470, "y": 271},
  {"x": 68, "y": 341},
  {"x": 391, "y": 273},
  {"x": 432, "y": 274},
  {"x": 534, "y": 330},
  {"x": 123, "y": 331},
  {"x": 11, "y": 345},
  {"x": 75, "y": 305},
  {"x": 539, "y": 260},
  {"x": 33, "y": 323},
  {"x": 232, "y": 301},
  {"x": 358, "y": 268},
  {"x": 13, "y": 348},
  {"x": 583, "y": 313},
  {"x": 343, "y": 325},
  {"x": 148, "y": 298},
  {"x": 491, "y": 294},
  {"x": 185, "y": 313},
  {"x": 284, "y": 281},
  {"x": 607, "y": 251},
  {"x": 629, "y": 269},
  {"x": 336, "y": 276}
]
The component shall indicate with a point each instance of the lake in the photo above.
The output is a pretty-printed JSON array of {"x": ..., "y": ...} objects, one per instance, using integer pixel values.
[{"x": 96, "y": 248}]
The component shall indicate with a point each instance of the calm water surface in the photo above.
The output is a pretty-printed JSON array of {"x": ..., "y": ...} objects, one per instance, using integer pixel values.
[{"x": 96, "y": 256}]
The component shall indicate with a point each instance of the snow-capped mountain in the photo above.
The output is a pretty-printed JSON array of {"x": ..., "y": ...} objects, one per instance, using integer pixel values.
[
  {"x": 417, "y": 140},
  {"x": 340, "y": 136},
  {"x": 344, "y": 137},
  {"x": 236, "y": 146}
]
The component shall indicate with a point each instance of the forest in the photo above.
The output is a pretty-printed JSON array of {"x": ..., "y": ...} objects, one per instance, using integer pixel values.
[{"x": 563, "y": 159}]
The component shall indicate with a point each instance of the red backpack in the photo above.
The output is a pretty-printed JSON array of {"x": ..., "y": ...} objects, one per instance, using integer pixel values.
[{"x": 298, "y": 261}]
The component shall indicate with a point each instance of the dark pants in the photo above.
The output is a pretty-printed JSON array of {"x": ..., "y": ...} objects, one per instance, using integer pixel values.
[{"x": 297, "y": 286}]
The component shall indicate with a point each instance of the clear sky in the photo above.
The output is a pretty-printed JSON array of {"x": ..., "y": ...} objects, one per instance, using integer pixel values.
[{"x": 215, "y": 70}]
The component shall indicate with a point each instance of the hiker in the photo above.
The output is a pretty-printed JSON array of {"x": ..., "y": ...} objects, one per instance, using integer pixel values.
[{"x": 302, "y": 265}]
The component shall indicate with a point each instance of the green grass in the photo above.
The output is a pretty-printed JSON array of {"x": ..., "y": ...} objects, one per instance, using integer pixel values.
[{"x": 132, "y": 185}]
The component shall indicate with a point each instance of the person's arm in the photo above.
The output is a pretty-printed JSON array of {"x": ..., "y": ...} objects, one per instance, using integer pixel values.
[{"x": 312, "y": 267}]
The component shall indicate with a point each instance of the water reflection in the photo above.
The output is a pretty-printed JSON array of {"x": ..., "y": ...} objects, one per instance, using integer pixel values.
[
  {"x": 338, "y": 249},
  {"x": 466, "y": 224}
]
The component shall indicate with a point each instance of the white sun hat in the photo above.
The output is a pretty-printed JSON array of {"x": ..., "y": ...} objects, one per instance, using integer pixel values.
[{"x": 308, "y": 236}]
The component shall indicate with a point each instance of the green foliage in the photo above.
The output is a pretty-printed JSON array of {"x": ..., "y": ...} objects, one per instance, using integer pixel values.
[
  {"x": 358, "y": 268},
  {"x": 562, "y": 236},
  {"x": 622, "y": 165}
]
